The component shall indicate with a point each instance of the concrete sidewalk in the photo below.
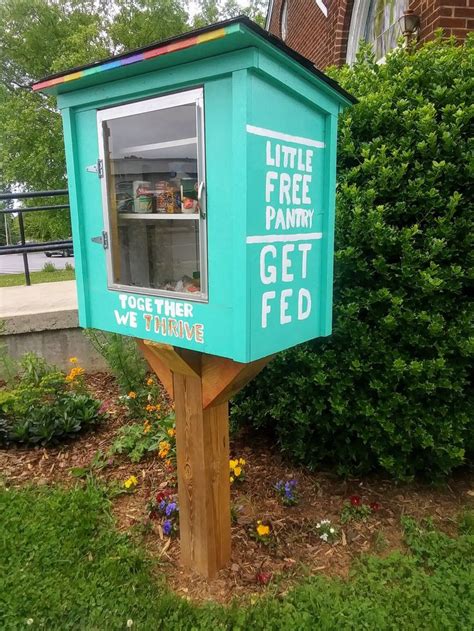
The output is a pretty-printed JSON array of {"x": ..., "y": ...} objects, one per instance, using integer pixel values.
[{"x": 43, "y": 319}]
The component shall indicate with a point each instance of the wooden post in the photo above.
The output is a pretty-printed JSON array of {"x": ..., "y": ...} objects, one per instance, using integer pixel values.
[{"x": 201, "y": 386}]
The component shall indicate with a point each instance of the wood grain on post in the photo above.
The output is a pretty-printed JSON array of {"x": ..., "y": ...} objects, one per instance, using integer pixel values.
[
  {"x": 202, "y": 444},
  {"x": 201, "y": 386}
]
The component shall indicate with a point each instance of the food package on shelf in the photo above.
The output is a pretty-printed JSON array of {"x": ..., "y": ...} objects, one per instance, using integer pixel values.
[{"x": 142, "y": 197}]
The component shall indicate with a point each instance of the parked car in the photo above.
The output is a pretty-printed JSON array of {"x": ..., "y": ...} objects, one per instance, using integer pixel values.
[{"x": 63, "y": 253}]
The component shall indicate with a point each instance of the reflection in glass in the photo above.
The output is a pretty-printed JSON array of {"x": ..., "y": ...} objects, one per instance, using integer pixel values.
[{"x": 151, "y": 166}]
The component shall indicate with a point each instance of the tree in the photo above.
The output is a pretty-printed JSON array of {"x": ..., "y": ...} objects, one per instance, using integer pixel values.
[
  {"x": 40, "y": 37},
  {"x": 214, "y": 10},
  {"x": 141, "y": 22}
]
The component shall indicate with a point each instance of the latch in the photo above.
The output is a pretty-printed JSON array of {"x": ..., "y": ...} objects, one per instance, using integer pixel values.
[
  {"x": 98, "y": 168},
  {"x": 103, "y": 240}
]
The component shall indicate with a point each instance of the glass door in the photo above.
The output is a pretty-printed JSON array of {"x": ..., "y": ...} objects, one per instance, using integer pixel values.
[{"x": 154, "y": 195}]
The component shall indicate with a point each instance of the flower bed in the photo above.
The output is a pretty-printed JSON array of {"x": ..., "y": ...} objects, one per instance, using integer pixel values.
[{"x": 274, "y": 544}]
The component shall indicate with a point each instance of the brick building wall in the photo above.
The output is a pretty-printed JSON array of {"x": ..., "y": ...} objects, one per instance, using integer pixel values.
[{"x": 323, "y": 39}]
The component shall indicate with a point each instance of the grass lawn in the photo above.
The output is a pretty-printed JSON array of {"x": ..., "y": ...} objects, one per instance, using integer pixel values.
[
  {"x": 64, "y": 566},
  {"x": 11, "y": 280}
]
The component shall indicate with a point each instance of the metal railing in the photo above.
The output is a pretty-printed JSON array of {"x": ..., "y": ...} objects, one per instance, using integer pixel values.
[{"x": 23, "y": 247}]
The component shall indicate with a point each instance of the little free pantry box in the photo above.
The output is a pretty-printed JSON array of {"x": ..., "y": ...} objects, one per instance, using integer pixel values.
[{"x": 202, "y": 182}]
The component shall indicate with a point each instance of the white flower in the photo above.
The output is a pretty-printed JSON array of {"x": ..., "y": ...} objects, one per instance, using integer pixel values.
[
  {"x": 129, "y": 623},
  {"x": 325, "y": 521},
  {"x": 332, "y": 531},
  {"x": 29, "y": 621},
  {"x": 318, "y": 525},
  {"x": 324, "y": 536}
]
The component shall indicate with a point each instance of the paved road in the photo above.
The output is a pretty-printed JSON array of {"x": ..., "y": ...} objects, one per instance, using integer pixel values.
[{"x": 13, "y": 263}]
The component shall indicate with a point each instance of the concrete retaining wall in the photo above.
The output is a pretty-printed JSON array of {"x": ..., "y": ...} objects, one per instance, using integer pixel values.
[{"x": 43, "y": 319}]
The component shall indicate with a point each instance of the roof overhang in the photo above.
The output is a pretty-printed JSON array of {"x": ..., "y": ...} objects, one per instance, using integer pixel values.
[{"x": 212, "y": 40}]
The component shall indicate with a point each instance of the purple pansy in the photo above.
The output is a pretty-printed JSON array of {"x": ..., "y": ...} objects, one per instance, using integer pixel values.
[{"x": 170, "y": 508}]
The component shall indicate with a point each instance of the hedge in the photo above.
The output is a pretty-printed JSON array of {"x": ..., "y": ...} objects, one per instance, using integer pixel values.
[{"x": 391, "y": 388}]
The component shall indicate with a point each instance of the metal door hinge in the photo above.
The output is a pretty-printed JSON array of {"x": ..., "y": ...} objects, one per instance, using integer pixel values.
[
  {"x": 103, "y": 240},
  {"x": 98, "y": 168}
]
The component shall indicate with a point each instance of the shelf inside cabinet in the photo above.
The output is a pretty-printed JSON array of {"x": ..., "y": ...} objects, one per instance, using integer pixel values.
[{"x": 165, "y": 216}]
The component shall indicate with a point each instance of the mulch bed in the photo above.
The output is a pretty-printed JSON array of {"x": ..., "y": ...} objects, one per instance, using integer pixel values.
[{"x": 295, "y": 550}]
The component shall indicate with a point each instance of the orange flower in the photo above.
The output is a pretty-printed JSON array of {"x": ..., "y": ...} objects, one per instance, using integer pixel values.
[
  {"x": 74, "y": 373},
  {"x": 132, "y": 395},
  {"x": 171, "y": 432},
  {"x": 164, "y": 448},
  {"x": 146, "y": 427},
  {"x": 149, "y": 381},
  {"x": 150, "y": 408}
]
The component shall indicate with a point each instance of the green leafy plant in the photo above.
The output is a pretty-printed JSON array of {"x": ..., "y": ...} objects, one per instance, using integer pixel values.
[
  {"x": 355, "y": 510},
  {"x": 46, "y": 406},
  {"x": 391, "y": 388},
  {"x": 49, "y": 267},
  {"x": 8, "y": 366},
  {"x": 98, "y": 463},
  {"x": 123, "y": 357},
  {"x": 466, "y": 522},
  {"x": 138, "y": 439},
  {"x": 141, "y": 393}
]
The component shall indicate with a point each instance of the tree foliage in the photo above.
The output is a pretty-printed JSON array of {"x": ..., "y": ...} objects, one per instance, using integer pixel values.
[
  {"x": 391, "y": 388},
  {"x": 40, "y": 37},
  {"x": 214, "y": 10}
]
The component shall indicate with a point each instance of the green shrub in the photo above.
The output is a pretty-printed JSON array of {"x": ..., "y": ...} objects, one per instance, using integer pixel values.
[
  {"x": 391, "y": 387},
  {"x": 49, "y": 267},
  {"x": 45, "y": 406}
]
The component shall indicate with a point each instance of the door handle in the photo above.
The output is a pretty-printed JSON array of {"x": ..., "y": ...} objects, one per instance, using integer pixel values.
[{"x": 202, "y": 212}]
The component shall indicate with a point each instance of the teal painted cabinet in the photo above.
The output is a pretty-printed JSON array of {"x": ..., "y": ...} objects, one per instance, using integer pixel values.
[{"x": 202, "y": 182}]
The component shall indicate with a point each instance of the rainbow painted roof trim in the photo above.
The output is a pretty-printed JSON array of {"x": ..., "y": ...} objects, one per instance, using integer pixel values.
[
  {"x": 133, "y": 58},
  {"x": 247, "y": 33}
]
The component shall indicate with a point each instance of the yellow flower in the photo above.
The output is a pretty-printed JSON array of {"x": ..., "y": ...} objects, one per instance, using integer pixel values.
[
  {"x": 233, "y": 464},
  {"x": 237, "y": 471},
  {"x": 171, "y": 432},
  {"x": 149, "y": 381},
  {"x": 132, "y": 481},
  {"x": 262, "y": 530},
  {"x": 241, "y": 461},
  {"x": 231, "y": 479},
  {"x": 146, "y": 427},
  {"x": 73, "y": 360},
  {"x": 132, "y": 395}
]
